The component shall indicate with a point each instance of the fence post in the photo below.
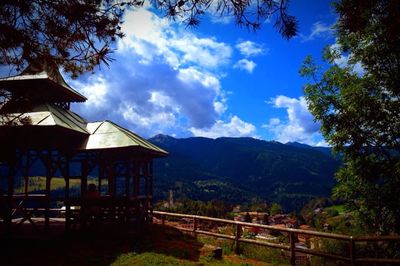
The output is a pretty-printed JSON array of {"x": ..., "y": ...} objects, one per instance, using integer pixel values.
[
  {"x": 238, "y": 233},
  {"x": 352, "y": 252},
  {"x": 162, "y": 219},
  {"x": 292, "y": 241},
  {"x": 194, "y": 226}
]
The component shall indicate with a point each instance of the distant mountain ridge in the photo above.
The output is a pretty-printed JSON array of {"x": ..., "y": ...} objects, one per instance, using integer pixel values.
[{"x": 241, "y": 170}]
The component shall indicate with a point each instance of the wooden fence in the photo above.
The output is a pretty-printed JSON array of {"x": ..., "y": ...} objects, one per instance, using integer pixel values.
[{"x": 351, "y": 259}]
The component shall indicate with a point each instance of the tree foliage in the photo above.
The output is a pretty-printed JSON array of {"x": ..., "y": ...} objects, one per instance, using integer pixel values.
[
  {"x": 77, "y": 35},
  {"x": 357, "y": 101}
]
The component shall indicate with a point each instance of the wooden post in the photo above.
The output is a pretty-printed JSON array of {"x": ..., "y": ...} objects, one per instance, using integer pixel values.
[
  {"x": 352, "y": 252},
  {"x": 238, "y": 233},
  {"x": 162, "y": 219},
  {"x": 26, "y": 174},
  {"x": 127, "y": 191},
  {"x": 150, "y": 186},
  {"x": 195, "y": 223},
  {"x": 127, "y": 178},
  {"x": 146, "y": 206},
  {"x": 151, "y": 178},
  {"x": 137, "y": 178},
  {"x": 136, "y": 190},
  {"x": 84, "y": 173},
  {"x": 47, "y": 208},
  {"x": 111, "y": 172},
  {"x": 66, "y": 195},
  {"x": 11, "y": 174},
  {"x": 111, "y": 180},
  {"x": 292, "y": 241},
  {"x": 49, "y": 173},
  {"x": 101, "y": 175}
]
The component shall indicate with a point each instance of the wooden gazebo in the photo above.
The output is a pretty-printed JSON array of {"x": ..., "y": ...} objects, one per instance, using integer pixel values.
[{"x": 41, "y": 136}]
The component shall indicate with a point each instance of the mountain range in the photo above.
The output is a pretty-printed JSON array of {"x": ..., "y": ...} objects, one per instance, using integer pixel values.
[{"x": 243, "y": 170}]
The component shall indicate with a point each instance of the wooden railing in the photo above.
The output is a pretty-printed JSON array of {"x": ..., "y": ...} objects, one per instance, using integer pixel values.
[{"x": 351, "y": 259}]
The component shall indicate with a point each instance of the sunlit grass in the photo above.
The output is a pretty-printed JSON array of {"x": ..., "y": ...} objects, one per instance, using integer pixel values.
[{"x": 38, "y": 183}]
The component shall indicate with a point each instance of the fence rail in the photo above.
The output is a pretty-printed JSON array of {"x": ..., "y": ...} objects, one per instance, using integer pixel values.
[{"x": 351, "y": 259}]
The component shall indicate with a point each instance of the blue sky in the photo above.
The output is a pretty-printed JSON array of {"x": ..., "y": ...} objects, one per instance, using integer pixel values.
[{"x": 213, "y": 80}]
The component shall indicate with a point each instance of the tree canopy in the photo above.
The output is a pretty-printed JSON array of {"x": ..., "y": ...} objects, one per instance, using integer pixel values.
[
  {"x": 77, "y": 35},
  {"x": 357, "y": 101}
]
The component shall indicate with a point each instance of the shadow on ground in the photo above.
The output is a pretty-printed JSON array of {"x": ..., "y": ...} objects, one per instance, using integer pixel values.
[{"x": 100, "y": 246}]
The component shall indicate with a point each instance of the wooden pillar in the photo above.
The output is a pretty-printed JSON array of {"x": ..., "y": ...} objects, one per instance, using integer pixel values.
[
  {"x": 127, "y": 178},
  {"x": 146, "y": 206},
  {"x": 136, "y": 190},
  {"x": 84, "y": 174},
  {"x": 100, "y": 176},
  {"x": 151, "y": 178},
  {"x": 127, "y": 190},
  {"x": 146, "y": 178},
  {"x": 49, "y": 173},
  {"x": 150, "y": 190},
  {"x": 111, "y": 180},
  {"x": 10, "y": 192},
  {"x": 136, "y": 178},
  {"x": 26, "y": 174},
  {"x": 66, "y": 195}
]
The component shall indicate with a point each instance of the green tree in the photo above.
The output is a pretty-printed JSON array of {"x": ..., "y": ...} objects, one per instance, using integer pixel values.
[
  {"x": 275, "y": 209},
  {"x": 77, "y": 35},
  {"x": 357, "y": 101}
]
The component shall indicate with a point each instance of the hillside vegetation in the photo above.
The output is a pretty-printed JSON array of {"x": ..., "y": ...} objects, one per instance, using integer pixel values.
[{"x": 238, "y": 170}]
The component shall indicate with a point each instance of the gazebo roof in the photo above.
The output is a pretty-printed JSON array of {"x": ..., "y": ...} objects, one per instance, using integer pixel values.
[
  {"x": 37, "y": 92},
  {"x": 42, "y": 81},
  {"x": 48, "y": 115},
  {"x": 107, "y": 135}
]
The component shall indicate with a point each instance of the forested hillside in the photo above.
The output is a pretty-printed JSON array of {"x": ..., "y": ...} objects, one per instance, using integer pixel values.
[{"x": 240, "y": 170}]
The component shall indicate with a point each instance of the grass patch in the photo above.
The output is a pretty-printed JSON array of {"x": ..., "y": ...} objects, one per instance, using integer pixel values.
[
  {"x": 38, "y": 183},
  {"x": 155, "y": 245}
]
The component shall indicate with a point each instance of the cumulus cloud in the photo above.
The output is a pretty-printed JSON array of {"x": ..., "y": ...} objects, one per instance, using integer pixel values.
[
  {"x": 299, "y": 125},
  {"x": 318, "y": 30},
  {"x": 245, "y": 64},
  {"x": 249, "y": 48},
  {"x": 163, "y": 80},
  {"x": 151, "y": 36},
  {"x": 152, "y": 97},
  {"x": 234, "y": 128}
]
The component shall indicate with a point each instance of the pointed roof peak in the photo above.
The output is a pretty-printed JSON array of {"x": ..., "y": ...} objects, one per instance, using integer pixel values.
[
  {"x": 108, "y": 135},
  {"x": 43, "y": 78},
  {"x": 44, "y": 67}
]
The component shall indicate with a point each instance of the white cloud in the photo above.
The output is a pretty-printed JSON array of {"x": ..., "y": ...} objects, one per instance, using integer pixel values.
[
  {"x": 163, "y": 79},
  {"x": 206, "y": 52},
  {"x": 160, "y": 99},
  {"x": 151, "y": 36},
  {"x": 318, "y": 30},
  {"x": 249, "y": 48},
  {"x": 244, "y": 64},
  {"x": 234, "y": 128},
  {"x": 161, "y": 119},
  {"x": 299, "y": 125}
]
